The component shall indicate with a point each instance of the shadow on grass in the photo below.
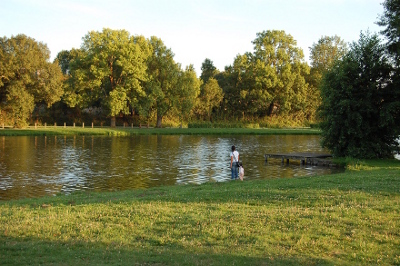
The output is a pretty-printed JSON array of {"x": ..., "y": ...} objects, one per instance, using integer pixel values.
[{"x": 29, "y": 251}]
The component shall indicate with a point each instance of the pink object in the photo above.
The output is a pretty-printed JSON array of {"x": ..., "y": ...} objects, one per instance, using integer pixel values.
[{"x": 241, "y": 172}]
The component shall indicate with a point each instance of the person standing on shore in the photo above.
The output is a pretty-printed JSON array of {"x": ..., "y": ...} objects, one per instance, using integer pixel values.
[{"x": 234, "y": 163}]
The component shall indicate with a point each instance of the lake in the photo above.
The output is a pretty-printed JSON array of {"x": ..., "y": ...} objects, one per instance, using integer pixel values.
[{"x": 40, "y": 165}]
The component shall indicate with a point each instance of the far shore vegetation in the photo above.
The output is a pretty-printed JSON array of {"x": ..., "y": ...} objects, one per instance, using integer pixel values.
[
  {"x": 351, "y": 218},
  {"x": 128, "y": 131}
]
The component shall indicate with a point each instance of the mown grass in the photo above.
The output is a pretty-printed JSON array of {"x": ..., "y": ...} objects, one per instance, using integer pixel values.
[
  {"x": 120, "y": 131},
  {"x": 352, "y": 218}
]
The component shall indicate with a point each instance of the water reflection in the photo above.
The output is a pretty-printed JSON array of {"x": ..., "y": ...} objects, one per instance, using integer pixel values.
[{"x": 38, "y": 166}]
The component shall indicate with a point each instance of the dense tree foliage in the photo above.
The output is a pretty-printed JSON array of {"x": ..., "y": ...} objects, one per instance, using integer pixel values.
[
  {"x": 27, "y": 78},
  {"x": 279, "y": 69},
  {"x": 270, "y": 80},
  {"x": 323, "y": 55},
  {"x": 208, "y": 70},
  {"x": 64, "y": 58},
  {"x": 109, "y": 70},
  {"x": 137, "y": 79},
  {"x": 361, "y": 94},
  {"x": 187, "y": 90},
  {"x": 391, "y": 21},
  {"x": 126, "y": 75},
  {"x": 358, "y": 111},
  {"x": 211, "y": 96},
  {"x": 164, "y": 75}
]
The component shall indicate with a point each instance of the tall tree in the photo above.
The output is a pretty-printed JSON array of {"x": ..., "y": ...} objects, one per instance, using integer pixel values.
[
  {"x": 270, "y": 80},
  {"x": 243, "y": 97},
  {"x": 146, "y": 106},
  {"x": 359, "y": 113},
  {"x": 323, "y": 55},
  {"x": 64, "y": 58},
  {"x": 279, "y": 71},
  {"x": 227, "y": 80},
  {"x": 391, "y": 20},
  {"x": 208, "y": 70},
  {"x": 27, "y": 77},
  {"x": 77, "y": 92},
  {"x": 188, "y": 89},
  {"x": 109, "y": 68},
  {"x": 211, "y": 96},
  {"x": 164, "y": 76}
]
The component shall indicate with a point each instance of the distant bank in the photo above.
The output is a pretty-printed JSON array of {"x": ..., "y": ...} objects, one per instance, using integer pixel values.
[{"x": 127, "y": 131}]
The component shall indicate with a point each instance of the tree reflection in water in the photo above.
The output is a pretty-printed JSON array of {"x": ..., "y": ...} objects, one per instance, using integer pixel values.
[{"x": 38, "y": 166}]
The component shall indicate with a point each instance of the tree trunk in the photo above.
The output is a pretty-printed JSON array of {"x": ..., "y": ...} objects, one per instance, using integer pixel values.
[
  {"x": 113, "y": 121},
  {"x": 271, "y": 109},
  {"x": 159, "y": 121}
]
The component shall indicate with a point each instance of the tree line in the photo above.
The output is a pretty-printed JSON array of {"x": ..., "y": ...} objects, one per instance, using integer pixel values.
[
  {"x": 121, "y": 75},
  {"x": 352, "y": 89}
]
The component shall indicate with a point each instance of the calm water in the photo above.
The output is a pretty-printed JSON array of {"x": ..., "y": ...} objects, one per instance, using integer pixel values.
[{"x": 38, "y": 166}]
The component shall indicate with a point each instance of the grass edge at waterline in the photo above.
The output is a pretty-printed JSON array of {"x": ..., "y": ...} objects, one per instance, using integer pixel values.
[
  {"x": 107, "y": 131},
  {"x": 342, "y": 219}
]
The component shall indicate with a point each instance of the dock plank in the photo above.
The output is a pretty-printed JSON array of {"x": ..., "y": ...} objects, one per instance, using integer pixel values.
[{"x": 304, "y": 157}]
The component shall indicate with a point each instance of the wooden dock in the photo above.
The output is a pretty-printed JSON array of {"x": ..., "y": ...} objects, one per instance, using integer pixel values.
[{"x": 303, "y": 157}]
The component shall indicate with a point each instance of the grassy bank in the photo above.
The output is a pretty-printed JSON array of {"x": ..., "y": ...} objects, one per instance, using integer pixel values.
[
  {"x": 345, "y": 219},
  {"x": 153, "y": 131}
]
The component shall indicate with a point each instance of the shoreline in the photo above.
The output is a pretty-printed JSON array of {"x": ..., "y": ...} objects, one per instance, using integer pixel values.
[{"x": 155, "y": 131}]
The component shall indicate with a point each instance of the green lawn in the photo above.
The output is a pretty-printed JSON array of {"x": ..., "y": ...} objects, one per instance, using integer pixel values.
[
  {"x": 120, "y": 131},
  {"x": 352, "y": 218}
]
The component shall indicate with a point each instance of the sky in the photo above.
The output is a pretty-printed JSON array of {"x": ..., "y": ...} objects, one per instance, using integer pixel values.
[{"x": 194, "y": 29}]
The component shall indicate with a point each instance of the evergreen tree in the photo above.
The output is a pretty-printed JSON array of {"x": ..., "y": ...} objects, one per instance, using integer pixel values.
[
  {"x": 391, "y": 20},
  {"x": 358, "y": 110}
]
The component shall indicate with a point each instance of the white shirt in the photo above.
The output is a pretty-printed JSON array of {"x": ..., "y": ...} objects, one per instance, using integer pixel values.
[{"x": 235, "y": 156}]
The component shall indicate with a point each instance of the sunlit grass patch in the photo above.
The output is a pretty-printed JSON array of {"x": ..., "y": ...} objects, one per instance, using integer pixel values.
[
  {"x": 342, "y": 219},
  {"x": 367, "y": 164}
]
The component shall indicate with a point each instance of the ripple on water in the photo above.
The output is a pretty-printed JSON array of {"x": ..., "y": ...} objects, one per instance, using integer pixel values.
[{"x": 37, "y": 166}]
